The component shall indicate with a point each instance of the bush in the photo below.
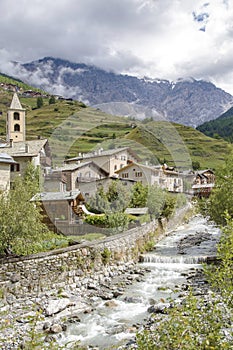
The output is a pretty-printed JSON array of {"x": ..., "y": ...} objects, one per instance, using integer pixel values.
[{"x": 96, "y": 220}]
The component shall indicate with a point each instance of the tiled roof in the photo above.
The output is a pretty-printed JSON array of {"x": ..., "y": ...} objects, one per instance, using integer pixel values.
[
  {"x": 5, "y": 158},
  {"x": 72, "y": 166},
  {"x": 56, "y": 196},
  {"x": 24, "y": 148},
  {"x": 101, "y": 153}
]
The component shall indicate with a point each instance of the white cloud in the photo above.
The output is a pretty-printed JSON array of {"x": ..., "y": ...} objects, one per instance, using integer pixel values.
[{"x": 157, "y": 38}]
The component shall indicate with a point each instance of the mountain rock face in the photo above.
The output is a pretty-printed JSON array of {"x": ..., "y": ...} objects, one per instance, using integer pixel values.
[{"x": 186, "y": 101}]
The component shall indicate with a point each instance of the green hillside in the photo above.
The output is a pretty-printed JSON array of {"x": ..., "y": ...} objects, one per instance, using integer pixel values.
[
  {"x": 220, "y": 127},
  {"x": 73, "y": 128}
]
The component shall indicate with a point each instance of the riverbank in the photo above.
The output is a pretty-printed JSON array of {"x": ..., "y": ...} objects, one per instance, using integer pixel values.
[{"x": 49, "y": 315}]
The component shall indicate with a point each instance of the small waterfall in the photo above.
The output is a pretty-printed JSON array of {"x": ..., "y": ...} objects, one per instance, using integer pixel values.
[{"x": 176, "y": 259}]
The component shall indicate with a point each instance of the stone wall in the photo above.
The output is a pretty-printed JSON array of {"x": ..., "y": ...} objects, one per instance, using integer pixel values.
[
  {"x": 73, "y": 265},
  {"x": 79, "y": 265}
]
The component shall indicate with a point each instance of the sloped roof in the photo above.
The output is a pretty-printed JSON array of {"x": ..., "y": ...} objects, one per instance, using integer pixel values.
[
  {"x": 5, "y": 158},
  {"x": 136, "y": 211},
  {"x": 15, "y": 103},
  {"x": 142, "y": 166},
  {"x": 105, "y": 153},
  {"x": 72, "y": 167},
  {"x": 19, "y": 148},
  {"x": 56, "y": 196}
]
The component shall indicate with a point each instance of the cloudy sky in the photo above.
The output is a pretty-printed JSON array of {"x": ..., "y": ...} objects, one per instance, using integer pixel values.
[{"x": 165, "y": 39}]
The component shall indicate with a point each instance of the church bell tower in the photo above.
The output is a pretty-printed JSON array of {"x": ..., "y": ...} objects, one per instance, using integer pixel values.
[{"x": 15, "y": 122}]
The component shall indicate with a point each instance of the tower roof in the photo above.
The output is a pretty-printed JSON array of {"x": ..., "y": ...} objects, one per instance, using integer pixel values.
[{"x": 15, "y": 103}]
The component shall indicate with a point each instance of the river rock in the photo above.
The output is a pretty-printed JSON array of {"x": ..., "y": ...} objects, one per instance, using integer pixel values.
[
  {"x": 56, "y": 306},
  {"x": 160, "y": 308},
  {"x": 110, "y": 303},
  {"x": 56, "y": 328}
]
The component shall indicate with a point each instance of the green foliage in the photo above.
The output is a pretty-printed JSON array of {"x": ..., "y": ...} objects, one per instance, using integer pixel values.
[
  {"x": 117, "y": 222},
  {"x": 220, "y": 276},
  {"x": 20, "y": 219},
  {"x": 115, "y": 199},
  {"x": 117, "y": 196},
  {"x": 155, "y": 201},
  {"x": 196, "y": 165},
  {"x": 193, "y": 325},
  {"x": 169, "y": 205},
  {"x": 39, "y": 102},
  {"x": 139, "y": 195},
  {"x": 97, "y": 220},
  {"x": 221, "y": 199},
  {"x": 105, "y": 256},
  {"x": 181, "y": 200},
  {"x": 220, "y": 127},
  {"x": 52, "y": 100}
]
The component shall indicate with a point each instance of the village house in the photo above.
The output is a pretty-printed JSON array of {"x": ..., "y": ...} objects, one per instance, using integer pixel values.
[
  {"x": 150, "y": 175},
  {"x": 6, "y": 162},
  {"x": 110, "y": 160},
  {"x": 74, "y": 176},
  {"x": 173, "y": 179},
  {"x": 203, "y": 183},
  {"x": 59, "y": 207}
]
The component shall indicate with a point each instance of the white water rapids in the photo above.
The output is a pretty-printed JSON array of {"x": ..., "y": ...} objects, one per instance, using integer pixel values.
[{"x": 169, "y": 264}]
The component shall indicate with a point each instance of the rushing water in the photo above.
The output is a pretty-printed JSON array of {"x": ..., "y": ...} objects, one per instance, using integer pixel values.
[{"x": 168, "y": 264}]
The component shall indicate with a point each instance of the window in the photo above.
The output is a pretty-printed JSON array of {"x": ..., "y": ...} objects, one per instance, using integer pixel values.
[
  {"x": 16, "y": 116},
  {"x": 15, "y": 167},
  {"x": 138, "y": 174},
  {"x": 115, "y": 167},
  {"x": 123, "y": 157},
  {"x": 125, "y": 175},
  {"x": 16, "y": 127}
]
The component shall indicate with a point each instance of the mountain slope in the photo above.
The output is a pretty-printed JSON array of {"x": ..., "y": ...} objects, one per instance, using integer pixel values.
[
  {"x": 189, "y": 102},
  {"x": 73, "y": 128},
  {"x": 220, "y": 127}
]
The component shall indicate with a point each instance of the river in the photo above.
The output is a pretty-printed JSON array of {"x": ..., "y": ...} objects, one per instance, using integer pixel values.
[{"x": 167, "y": 267}]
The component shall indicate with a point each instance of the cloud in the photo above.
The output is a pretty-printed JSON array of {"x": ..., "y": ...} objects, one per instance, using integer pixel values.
[{"x": 157, "y": 38}]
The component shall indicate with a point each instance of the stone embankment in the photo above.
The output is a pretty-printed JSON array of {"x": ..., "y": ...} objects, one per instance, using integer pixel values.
[{"x": 63, "y": 283}]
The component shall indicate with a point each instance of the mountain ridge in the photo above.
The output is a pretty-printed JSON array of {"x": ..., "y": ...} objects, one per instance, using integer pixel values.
[{"x": 186, "y": 101}]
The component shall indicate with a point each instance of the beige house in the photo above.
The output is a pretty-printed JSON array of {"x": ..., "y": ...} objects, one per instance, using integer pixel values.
[
  {"x": 110, "y": 160},
  {"x": 74, "y": 176},
  {"x": 173, "y": 180},
  {"x": 6, "y": 162},
  {"x": 35, "y": 151},
  {"x": 149, "y": 175}
]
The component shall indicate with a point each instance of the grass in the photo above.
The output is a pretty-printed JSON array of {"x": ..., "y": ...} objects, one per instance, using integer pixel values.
[
  {"x": 73, "y": 128},
  {"x": 88, "y": 237}
]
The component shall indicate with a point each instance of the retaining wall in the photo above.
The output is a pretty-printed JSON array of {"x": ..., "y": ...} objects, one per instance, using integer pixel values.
[{"x": 78, "y": 265}]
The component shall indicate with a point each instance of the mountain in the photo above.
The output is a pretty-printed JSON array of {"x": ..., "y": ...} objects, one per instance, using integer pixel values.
[
  {"x": 219, "y": 127},
  {"x": 73, "y": 128},
  {"x": 186, "y": 101}
]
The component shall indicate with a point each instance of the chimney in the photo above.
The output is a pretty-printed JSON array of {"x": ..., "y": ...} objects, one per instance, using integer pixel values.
[
  {"x": 26, "y": 148},
  {"x": 39, "y": 137},
  {"x": 11, "y": 143}
]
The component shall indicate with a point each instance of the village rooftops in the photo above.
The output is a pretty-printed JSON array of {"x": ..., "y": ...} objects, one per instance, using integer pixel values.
[
  {"x": 5, "y": 158},
  {"x": 56, "y": 196},
  {"x": 29, "y": 148},
  {"x": 142, "y": 166},
  {"x": 75, "y": 166},
  {"x": 102, "y": 153}
]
